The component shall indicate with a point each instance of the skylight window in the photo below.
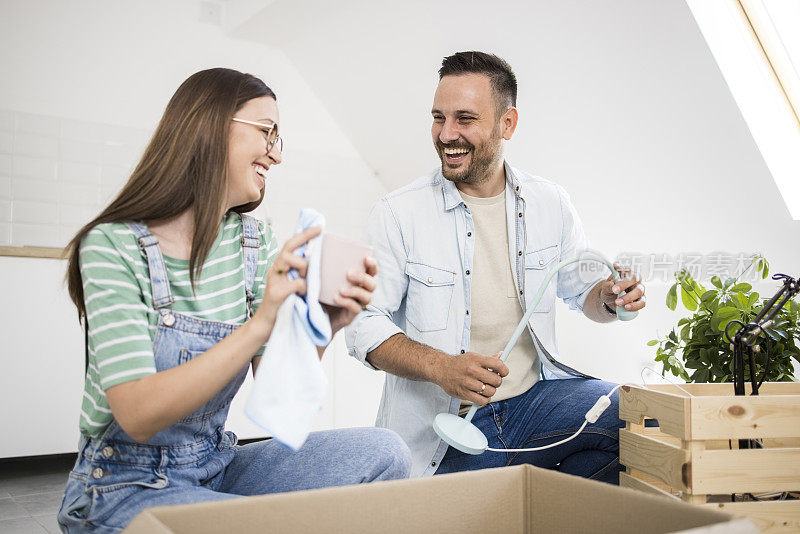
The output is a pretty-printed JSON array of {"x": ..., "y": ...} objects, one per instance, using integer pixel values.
[{"x": 757, "y": 47}]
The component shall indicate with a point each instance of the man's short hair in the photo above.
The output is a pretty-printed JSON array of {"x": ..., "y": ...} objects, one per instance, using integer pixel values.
[{"x": 504, "y": 83}]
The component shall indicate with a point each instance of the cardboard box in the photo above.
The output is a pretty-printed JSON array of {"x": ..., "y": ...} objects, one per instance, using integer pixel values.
[{"x": 515, "y": 499}]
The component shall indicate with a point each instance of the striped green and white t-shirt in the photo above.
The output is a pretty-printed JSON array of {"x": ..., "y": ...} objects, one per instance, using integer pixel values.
[{"x": 119, "y": 303}]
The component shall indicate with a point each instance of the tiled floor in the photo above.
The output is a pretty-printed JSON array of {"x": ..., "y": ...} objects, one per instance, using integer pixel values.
[{"x": 30, "y": 494}]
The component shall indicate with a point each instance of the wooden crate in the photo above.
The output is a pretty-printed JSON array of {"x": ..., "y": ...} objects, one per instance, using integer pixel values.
[{"x": 694, "y": 453}]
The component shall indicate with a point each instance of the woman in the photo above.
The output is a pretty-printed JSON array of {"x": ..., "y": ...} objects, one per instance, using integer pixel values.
[{"x": 180, "y": 292}]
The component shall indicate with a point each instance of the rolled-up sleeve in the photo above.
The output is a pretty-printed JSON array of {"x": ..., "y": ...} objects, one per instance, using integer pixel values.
[
  {"x": 375, "y": 325},
  {"x": 574, "y": 285}
]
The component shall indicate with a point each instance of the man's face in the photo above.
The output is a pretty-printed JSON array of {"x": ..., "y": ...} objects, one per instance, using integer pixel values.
[{"x": 466, "y": 131}]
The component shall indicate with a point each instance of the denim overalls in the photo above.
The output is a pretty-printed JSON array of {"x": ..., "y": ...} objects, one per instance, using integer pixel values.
[
  {"x": 195, "y": 460},
  {"x": 111, "y": 470}
]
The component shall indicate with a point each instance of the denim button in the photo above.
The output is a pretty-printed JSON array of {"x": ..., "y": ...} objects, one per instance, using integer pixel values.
[
  {"x": 108, "y": 452},
  {"x": 541, "y": 262},
  {"x": 430, "y": 280},
  {"x": 97, "y": 473},
  {"x": 169, "y": 319}
]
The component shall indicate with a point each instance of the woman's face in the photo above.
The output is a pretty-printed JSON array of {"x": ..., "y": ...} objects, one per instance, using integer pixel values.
[{"x": 248, "y": 159}]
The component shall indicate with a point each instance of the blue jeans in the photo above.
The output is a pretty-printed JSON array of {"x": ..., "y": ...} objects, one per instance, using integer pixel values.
[
  {"x": 220, "y": 471},
  {"x": 548, "y": 412}
]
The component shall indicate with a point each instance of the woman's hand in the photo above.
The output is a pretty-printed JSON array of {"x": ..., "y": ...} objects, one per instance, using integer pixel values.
[
  {"x": 354, "y": 298},
  {"x": 278, "y": 285}
]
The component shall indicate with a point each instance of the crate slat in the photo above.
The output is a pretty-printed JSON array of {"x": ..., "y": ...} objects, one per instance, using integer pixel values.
[
  {"x": 671, "y": 410},
  {"x": 724, "y": 389},
  {"x": 745, "y": 417},
  {"x": 774, "y": 517},
  {"x": 747, "y": 470},
  {"x": 663, "y": 461},
  {"x": 629, "y": 481}
]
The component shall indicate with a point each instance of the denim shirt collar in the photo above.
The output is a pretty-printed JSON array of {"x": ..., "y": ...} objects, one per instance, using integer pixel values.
[{"x": 450, "y": 192}]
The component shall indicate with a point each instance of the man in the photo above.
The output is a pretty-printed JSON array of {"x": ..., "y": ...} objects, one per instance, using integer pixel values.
[{"x": 462, "y": 253}]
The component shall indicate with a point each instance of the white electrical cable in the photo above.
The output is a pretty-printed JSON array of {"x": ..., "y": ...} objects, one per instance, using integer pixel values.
[
  {"x": 544, "y": 447},
  {"x": 594, "y": 413},
  {"x": 656, "y": 373},
  {"x": 591, "y": 417}
]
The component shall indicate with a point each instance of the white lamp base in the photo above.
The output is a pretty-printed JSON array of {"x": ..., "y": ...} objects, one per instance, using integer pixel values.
[{"x": 460, "y": 433}]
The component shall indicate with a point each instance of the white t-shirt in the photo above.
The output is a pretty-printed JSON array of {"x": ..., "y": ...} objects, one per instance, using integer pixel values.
[{"x": 495, "y": 309}]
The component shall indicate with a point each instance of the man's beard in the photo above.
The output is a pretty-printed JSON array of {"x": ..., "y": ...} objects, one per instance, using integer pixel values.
[{"x": 482, "y": 163}]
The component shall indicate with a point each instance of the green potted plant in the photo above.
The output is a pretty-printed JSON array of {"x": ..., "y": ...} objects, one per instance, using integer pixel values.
[{"x": 697, "y": 349}]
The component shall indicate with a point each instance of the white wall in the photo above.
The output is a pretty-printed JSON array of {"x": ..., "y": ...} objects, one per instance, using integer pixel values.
[
  {"x": 620, "y": 102},
  {"x": 118, "y": 63}
]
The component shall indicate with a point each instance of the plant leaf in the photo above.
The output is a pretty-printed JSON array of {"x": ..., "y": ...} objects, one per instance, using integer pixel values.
[
  {"x": 700, "y": 376},
  {"x": 727, "y": 312},
  {"x": 673, "y": 336},
  {"x": 688, "y": 301},
  {"x": 709, "y": 295},
  {"x": 742, "y": 302},
  {"x": 685, "y": 331},
  {"x": 728, "y": 283},
  {"x": 672, "y": 297}
]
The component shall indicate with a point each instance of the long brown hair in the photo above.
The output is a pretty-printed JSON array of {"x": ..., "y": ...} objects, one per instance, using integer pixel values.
[{"x": 183, "y": 166}]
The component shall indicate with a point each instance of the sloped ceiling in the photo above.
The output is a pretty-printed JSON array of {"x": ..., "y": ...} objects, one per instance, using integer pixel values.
[
  {"x": 620, "y": 102},
  {"x": 587, "y": 66}
]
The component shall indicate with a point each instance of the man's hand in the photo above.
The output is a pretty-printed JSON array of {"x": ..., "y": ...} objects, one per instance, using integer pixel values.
[
  {"x": 633, "y": 299},
  {"x": 470, "y": 376}
]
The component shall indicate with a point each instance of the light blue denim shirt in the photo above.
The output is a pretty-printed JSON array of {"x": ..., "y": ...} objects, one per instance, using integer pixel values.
[{"x": 423, "y": 238}]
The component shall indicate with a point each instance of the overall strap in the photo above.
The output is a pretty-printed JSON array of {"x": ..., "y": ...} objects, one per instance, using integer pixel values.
[
  {"x": 251, "y": 242},
  {"x": 85, "y": 344},
  {"x": 159, "y": 283}
]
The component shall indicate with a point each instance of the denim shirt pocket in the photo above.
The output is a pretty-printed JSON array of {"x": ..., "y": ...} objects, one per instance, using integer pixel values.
[
  {"x": 430, "y": 291},
  {"x": 537, "y": 265}
]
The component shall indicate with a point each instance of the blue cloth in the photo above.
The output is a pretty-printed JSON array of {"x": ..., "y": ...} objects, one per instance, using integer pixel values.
[
  {"x": 290, "y": 385},
  {"x": 308, "y": 310},
  {"x": 423, "y": 236}
]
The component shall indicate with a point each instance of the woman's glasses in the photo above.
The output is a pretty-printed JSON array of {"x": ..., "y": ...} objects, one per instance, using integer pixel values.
[{"x": 270, "y": 132}]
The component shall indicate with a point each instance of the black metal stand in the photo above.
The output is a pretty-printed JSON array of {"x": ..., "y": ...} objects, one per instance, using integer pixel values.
[{"x": 744, "y": 339}]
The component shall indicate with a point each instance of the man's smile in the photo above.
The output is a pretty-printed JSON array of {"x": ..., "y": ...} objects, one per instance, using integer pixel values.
[{"x": 456, "y": 155}]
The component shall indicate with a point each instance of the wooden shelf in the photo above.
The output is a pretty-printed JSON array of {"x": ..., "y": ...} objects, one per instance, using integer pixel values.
[{"x": 55, "y": 253}]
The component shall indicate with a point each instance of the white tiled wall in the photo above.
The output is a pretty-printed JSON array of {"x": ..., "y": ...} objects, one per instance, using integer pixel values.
[
  {"x": 79, "y": 80},
  {"x": 56, "y": 174}
]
